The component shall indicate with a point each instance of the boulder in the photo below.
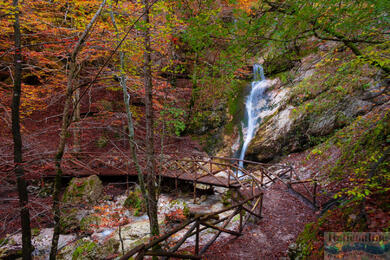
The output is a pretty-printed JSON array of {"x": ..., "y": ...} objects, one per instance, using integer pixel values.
[
  {"x": 86, "y": 249},
  {"x": 89, "y": 223},
  {"x": 84, "y": 191},
  {"x": 135, "y": 202},
  {"x": 135, "y": 233},
  {"x": 70, "y": 219}
]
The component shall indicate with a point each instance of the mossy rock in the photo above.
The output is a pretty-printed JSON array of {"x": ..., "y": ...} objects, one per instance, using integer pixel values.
[
  {"x": 226, "y": 198},
  {"x": 280, "y": 63},
  {"x": 88, "y": 223},
  {"x": 69, "y": 221},
  {"x": 135, "y": 201},
  {"x": 109, "y": 248},
  {"x": 86, "y": 250},
  {"x": 87, "y": 190}
]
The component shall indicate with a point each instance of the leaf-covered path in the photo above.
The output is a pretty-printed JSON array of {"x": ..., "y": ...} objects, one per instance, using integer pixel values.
[{"x": 284, "y": 217}]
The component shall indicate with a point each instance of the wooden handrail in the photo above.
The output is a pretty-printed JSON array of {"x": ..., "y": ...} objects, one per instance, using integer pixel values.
[{"x": 198, "y": 219}]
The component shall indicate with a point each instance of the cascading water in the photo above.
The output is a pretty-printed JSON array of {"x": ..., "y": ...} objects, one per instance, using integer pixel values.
[{"x": 255, "y": 103}]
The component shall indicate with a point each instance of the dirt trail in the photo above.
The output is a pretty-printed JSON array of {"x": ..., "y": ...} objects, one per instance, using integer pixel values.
[{"x": 284, "y": 217}]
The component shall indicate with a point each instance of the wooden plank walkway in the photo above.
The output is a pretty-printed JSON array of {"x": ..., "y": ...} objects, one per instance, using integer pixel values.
[{"x": 206, "y": 179}]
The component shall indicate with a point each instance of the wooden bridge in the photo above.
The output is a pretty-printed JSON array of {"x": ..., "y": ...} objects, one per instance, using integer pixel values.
[{"x": 246, "y": 184}]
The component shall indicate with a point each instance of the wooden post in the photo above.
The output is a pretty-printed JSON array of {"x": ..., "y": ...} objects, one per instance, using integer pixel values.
[
  {"x": 177, "y": 191},
  {"x": 241, "y": 216},
  {"x": 195, "y": 181},
  {"x": 261, "y": 204},
  {"x": 195, "y": 191},
  {"x": 197, "y": 238},
  {"x": 315, "y": 194},
  {"x": 229, "y": 170},
  {"x": 140, "y": 254},
  {"x": 262, "y": 178}
]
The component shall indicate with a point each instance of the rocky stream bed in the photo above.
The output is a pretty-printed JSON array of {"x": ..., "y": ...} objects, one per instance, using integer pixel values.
[{"x": 99, "y": 226}]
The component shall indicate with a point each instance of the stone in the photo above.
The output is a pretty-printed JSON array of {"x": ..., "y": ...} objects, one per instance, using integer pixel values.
[
  {"x": 289, "y": 131},
  {"x": 202, "y": 198},
  {"x": 338, "y": 116},
  {"x": 89, "y": 223},
  {"x": 86, "y": 250},
  {"x": 70, "y": 219},
  {"x": 109, "y": 248},
  {"x": 201, "y": 186},
  {"x": 269, "y": 139},
  {"x": 133, "y": 234},
  {"x": 323, "y": 125},
  {"x": 135, "y": 202},
  {"x": 84, "y": 191},
  {"x": 42, "y": 242}
]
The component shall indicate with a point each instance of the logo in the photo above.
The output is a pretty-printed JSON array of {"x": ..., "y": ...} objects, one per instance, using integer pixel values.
[{"x": 357, "y": 245}]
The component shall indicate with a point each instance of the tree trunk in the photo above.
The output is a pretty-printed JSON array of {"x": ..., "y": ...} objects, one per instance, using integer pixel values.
[
  {"x": 151, "y": 181},
  {"x": 130, "y": 125},
  {"x": 66, "y": 120},
  {"x": 76, "y": 120},
  {"x": 18, "y": 160}
]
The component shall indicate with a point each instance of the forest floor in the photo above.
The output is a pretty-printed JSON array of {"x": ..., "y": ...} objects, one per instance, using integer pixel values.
[{"x": 284, "y": 217}]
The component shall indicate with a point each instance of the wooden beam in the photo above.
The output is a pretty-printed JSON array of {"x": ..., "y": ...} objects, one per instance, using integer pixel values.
[
  {"x": 251, "y": 212},
  {"x": 164, "y": 253},
  {"x": 219, "y": 232},
  {"x": 132, "y": 252},
  {"x": 234, "y": 233}
]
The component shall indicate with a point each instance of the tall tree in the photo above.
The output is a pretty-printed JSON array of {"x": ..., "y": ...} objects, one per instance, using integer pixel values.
[
  {"x": 126, "y": 100},
  {"x": 66, "y": 120},
  {"x": 18, "y": 160},
  {"x": 151, "y": 180}
]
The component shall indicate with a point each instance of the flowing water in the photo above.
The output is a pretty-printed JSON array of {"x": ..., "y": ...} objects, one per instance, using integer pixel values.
[{"x": 255, "y": 103}]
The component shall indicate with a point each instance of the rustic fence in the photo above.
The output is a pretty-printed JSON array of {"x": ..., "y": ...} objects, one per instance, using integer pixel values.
[
  {"x": 246, "y": 183},
  {"x": 198, "y": 224}
]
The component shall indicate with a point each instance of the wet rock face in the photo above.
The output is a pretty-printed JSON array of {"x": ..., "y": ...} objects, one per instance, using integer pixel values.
[
  {"x": 338, "y": 116},
  {"x": 285, "y": 132},
  {"x": 271, "y": 136},
  {"x": 83, "y": 191}
]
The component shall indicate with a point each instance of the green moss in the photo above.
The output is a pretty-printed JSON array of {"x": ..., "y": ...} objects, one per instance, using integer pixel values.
[
  {"x": 135, "y": 201},
  {"x": 34, "y": 232},
  {"x": 336, "y": 77},
  {"x": 110, "y": 247},
  {"x": 362, "y": 146},
  {"x": 83, "y": 190},
  {"x": 89, "y": 223},
  {"x": 277, "y": 63},
  {"x": 86, "y": 250},
  {"x": 226, "y": 198},
  {"x": 4, "y": 241},
  {"x": 69, "y": 221}
]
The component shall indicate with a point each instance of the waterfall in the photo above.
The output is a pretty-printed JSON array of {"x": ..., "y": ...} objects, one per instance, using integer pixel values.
[{"x": 255, "y": 103}]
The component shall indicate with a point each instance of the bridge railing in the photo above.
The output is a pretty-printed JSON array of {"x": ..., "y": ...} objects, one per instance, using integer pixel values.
[
  {"x": 197, "y": 225},
  {"x": 224, "y": 171}
]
